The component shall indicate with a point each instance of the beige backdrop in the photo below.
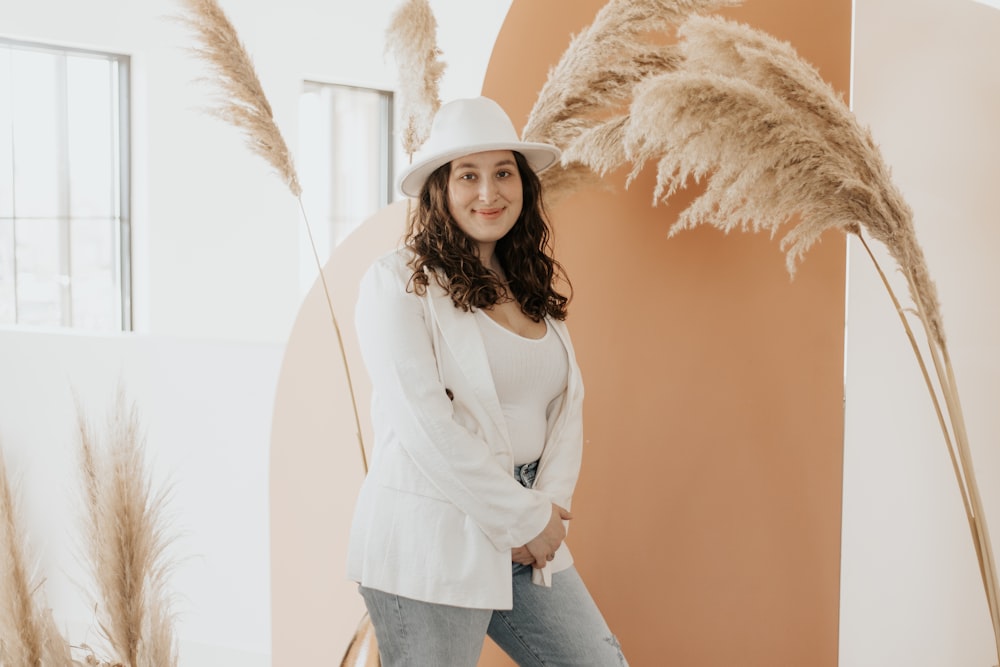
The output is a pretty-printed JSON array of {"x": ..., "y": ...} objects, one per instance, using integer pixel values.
[{"x": 708, "y": 513}]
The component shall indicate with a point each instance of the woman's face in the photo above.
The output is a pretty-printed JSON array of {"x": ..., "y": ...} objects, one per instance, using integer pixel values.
[{"x": 485, "y": 196}]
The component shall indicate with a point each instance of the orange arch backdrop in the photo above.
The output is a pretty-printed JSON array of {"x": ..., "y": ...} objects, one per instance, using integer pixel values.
[{"x": 708, "y": 512}]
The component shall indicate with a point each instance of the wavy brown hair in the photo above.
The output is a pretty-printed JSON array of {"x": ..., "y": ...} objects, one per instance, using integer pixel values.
[{"x": 439, "y": 244}]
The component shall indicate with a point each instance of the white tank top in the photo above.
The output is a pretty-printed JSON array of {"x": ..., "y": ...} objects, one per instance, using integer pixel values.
[{"x": 529, "y": 374}]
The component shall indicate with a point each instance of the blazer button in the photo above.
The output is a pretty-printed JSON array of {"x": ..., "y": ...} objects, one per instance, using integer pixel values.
[{"x": 451, "y": 395}]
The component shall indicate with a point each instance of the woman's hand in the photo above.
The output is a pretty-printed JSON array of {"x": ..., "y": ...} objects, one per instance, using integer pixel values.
[
  {"x": 521, "y": 556},
  {"x": 543, "y": 547}
]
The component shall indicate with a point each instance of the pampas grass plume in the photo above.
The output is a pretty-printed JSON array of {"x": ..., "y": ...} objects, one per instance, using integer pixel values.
[
  {"x": 126, "y": 541},
  {"x": 242, "y": 102},
  {"x": 775, "y": 146},
  {"x": 586, "y": 91},
  {"x": 412, "y": 39},
  {"x": 28, "y": 633},
  {"x": 730, "y": 49}
]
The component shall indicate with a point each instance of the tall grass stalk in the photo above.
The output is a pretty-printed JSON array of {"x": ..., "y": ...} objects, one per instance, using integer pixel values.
[
  {"x": 588, "y": 90},
  {"x": 776, "y": 147},
  {"x": 28, "y": 633},
  {"x": 412, "y": 39},
  {"x": 242, "y": 103},
  {"x": 126, "y": 540}
]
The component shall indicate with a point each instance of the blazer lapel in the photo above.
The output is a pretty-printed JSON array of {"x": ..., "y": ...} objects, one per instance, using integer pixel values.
[
  {"x": 461, "y": 334},
  {"x": 574, "y": 383}
]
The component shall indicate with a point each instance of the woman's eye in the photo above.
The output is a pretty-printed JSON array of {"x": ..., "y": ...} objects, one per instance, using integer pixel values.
[
  {"x": 467, "y": 177},
  {"x": 503, "y": 173}
]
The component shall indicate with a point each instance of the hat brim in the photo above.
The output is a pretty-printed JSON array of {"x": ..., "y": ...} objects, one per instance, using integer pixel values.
[{"x": 539, "y": 157}]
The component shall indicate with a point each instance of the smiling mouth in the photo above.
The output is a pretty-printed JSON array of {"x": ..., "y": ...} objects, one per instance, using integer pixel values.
[{"x": 489, "y": 211}]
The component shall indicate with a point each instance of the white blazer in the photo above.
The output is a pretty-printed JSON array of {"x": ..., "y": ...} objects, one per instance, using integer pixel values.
[{"x": 440, "y": 510}]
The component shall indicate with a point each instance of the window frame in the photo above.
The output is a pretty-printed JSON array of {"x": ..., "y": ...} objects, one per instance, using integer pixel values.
[
  {"x": 387, "y": 125},
  {"x": 122, "y": 103}
]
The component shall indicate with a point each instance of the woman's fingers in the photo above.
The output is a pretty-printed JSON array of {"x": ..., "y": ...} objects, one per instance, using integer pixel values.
[{"x": 521, "y": 556}]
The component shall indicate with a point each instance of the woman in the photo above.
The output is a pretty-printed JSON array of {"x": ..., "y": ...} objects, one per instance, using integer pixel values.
[{"x": 477, "y": 408}]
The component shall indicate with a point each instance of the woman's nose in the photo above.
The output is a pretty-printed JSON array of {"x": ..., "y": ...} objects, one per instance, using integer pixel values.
[{"x": 487, "y": 191}]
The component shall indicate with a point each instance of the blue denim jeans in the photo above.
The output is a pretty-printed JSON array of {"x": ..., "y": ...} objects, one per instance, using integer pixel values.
[{"x": 556, "y": 627}]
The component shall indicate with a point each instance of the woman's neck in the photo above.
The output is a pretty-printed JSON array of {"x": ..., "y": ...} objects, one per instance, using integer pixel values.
[{"x": 489, "y": 258}]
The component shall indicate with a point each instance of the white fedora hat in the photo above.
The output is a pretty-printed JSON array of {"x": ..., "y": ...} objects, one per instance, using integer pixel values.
[{"x": 466, "y": 126}]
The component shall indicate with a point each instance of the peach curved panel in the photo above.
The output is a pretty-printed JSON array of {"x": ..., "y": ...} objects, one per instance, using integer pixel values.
[{"x": 316, "y": 467}]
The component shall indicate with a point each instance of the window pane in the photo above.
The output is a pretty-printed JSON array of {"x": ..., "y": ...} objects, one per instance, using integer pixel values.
[
  {"x": 40, "y": 284},
  {"x": 314, "y": 162},
  {"x": 95, "y": 275},
  {"x": 37, "y": 133},
  {"x": 357, "y": 128},
  {"x": 8, "y": 312},
  {"x": 344, "y": 140},
  {"x": 6, "y": 148},
  {"x": 63, "y": 187},
  {"x": 91, "y": 136}
]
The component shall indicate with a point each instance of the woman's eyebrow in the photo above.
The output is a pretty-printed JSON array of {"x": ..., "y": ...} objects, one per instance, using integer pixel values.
[{"x": 502, "y": 163}]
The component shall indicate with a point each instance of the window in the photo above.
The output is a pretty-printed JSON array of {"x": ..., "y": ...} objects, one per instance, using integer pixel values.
[
  {"x": 345, "y": 162},
  {"x": 64, "y": 192}
]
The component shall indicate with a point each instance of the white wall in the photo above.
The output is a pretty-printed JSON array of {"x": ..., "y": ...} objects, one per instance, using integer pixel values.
[
  {"x": 216, "y": 271},
  {"x": 927, "y": 81},
  {"x": 206, "y": 409},
  {"x": 215, "y": 230}
]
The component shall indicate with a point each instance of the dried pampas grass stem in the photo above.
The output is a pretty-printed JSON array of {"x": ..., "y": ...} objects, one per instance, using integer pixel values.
[
  {"x": 241, "y": 97},
  {"x": 729, "y": 49},
  {"x": 28, "y": 633},
  {"x": 126, "y": 541},
  {"x": 244, "y": 104},
  {"x": 363, "y": 649},
  {"x": 587, "y": 89},
  {"x": 775, "y": 145},
  {"x": 412, "y": 39}
]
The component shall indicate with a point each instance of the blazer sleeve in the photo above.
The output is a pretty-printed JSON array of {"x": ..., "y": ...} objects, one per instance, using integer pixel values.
[{"x": 399, "y": 355}]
